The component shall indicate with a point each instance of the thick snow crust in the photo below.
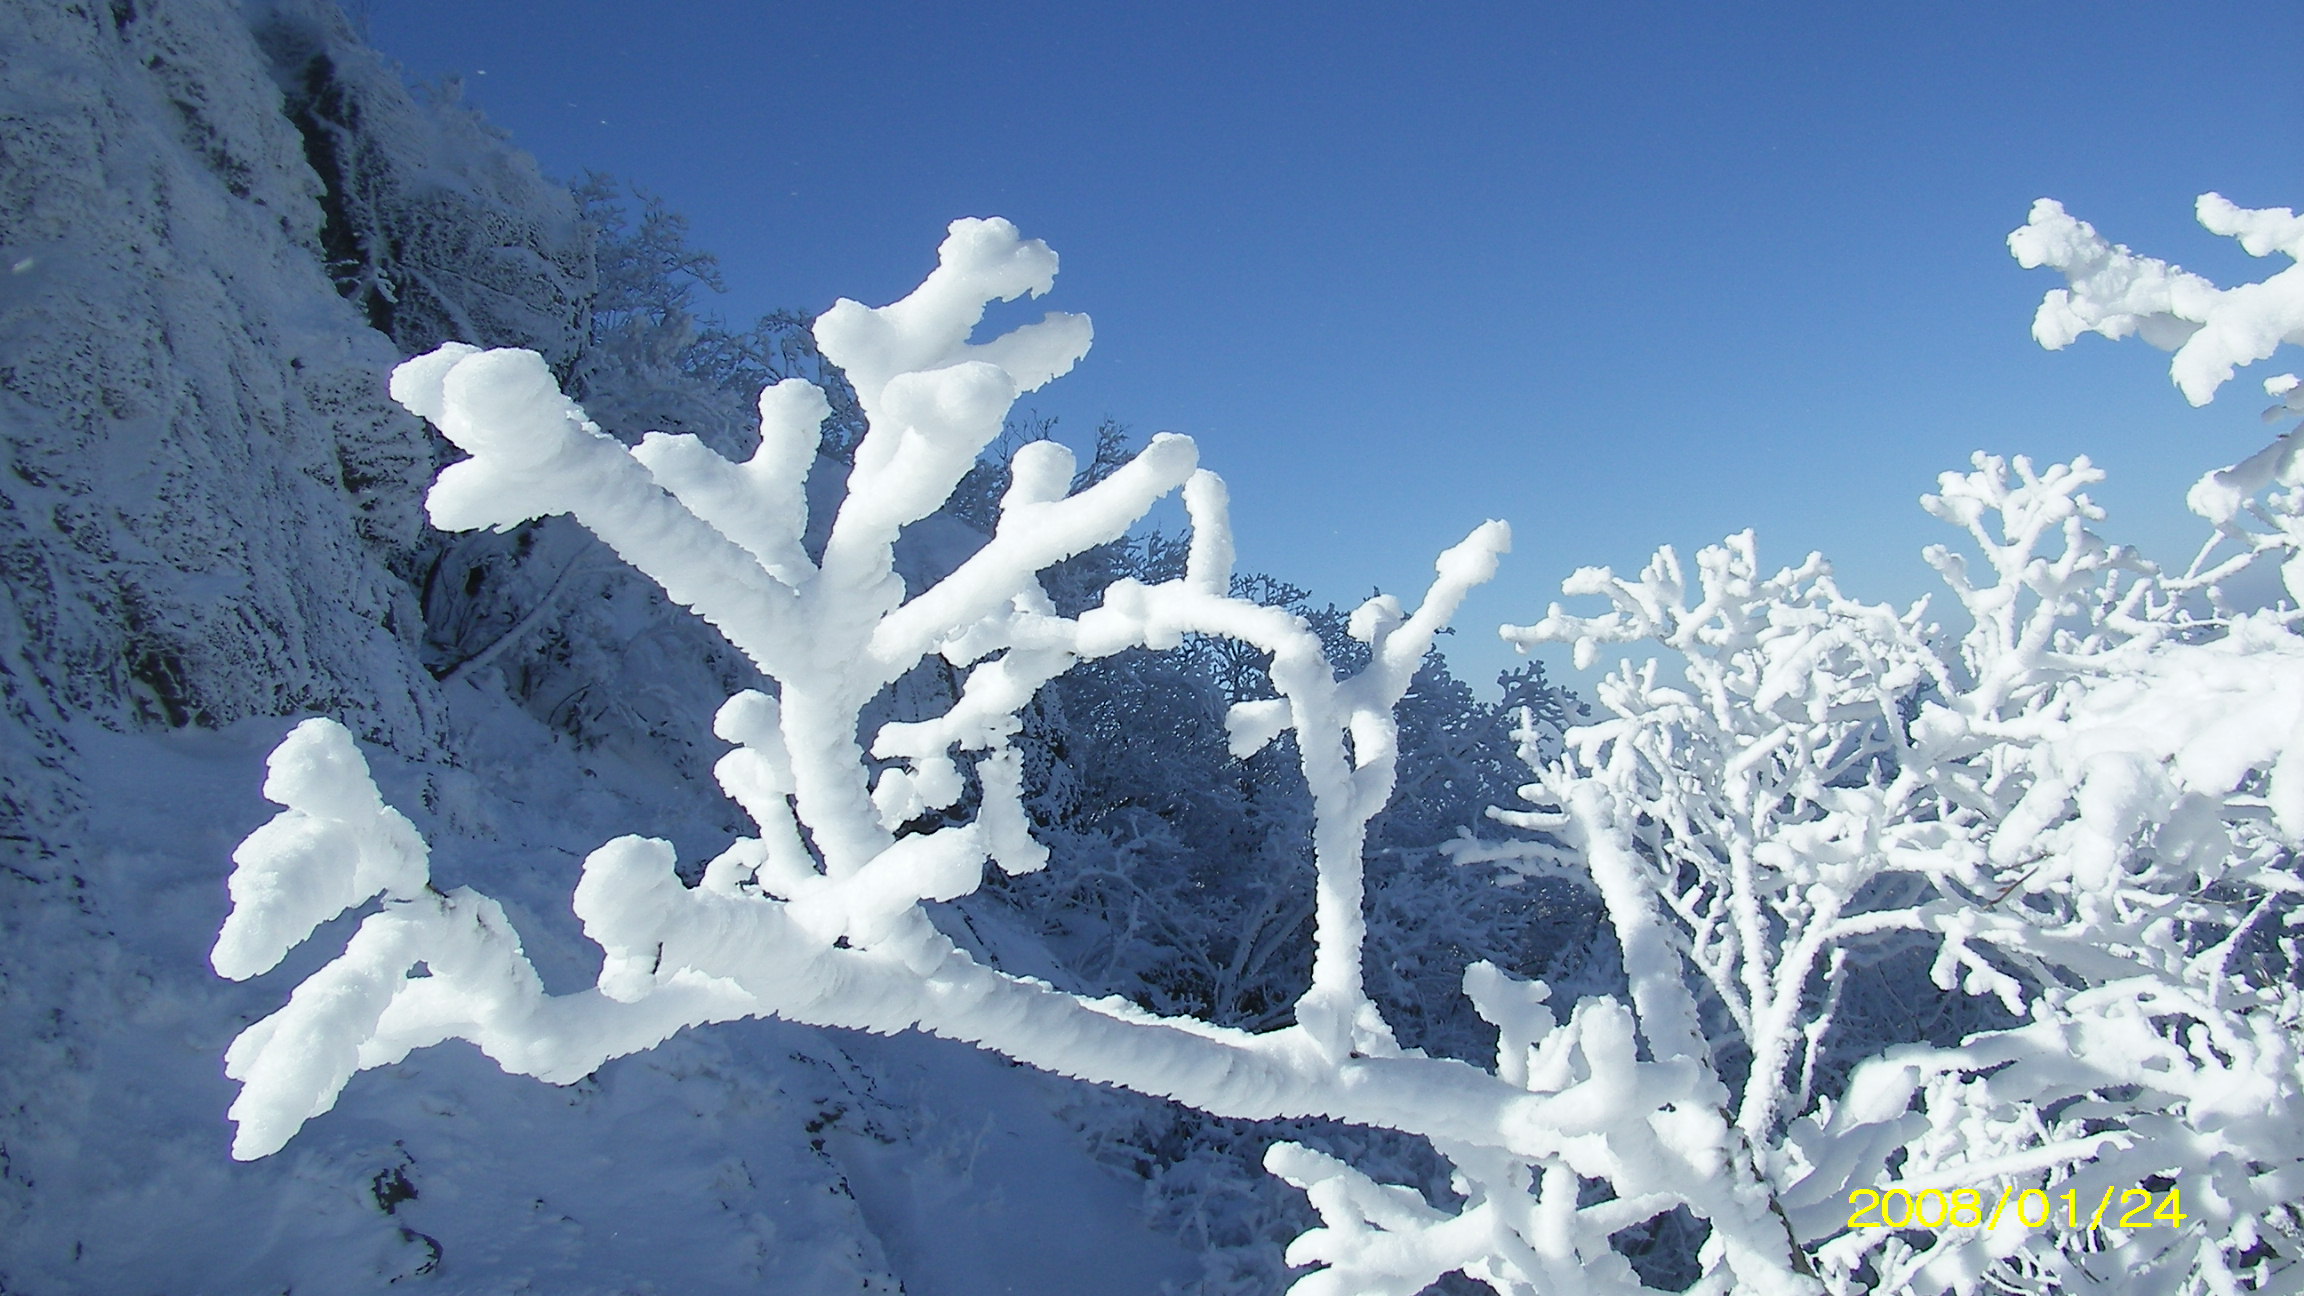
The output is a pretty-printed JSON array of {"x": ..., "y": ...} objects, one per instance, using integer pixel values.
[{"x": 2116, "y": 293}]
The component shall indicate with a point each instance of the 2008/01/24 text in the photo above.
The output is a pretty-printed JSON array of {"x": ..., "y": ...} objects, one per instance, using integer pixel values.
[{"x": 1934, "y": 1208}]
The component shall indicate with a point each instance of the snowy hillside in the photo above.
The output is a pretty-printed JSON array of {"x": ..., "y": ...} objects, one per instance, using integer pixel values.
[
  {"x": 223, "y": 224},
  {"x": 212, "y": 525}
]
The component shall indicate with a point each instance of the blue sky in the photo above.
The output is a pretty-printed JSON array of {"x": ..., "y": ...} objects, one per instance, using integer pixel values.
[{"x": 1623, "y": 274}]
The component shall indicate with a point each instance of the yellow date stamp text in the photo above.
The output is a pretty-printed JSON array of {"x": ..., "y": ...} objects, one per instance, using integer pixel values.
[{"x": 2034, "y": 1208}]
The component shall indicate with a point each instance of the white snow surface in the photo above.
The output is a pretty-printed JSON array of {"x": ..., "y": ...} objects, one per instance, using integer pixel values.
[{"x": 769, "y": 1157}]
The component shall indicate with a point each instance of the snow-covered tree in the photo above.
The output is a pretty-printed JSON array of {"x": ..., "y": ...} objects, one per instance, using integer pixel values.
[
  {"x": 822, "y": 916},
  {"x": 2075, "y": 820},
  {"x": 2078, "y": 818}
]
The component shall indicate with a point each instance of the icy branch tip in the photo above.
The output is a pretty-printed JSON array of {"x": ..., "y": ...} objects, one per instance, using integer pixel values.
[
  {"x": 1473, "y": 560},
  {"x": 420, "y": 384},
  {"x": 335, "y": 846},
  {"x": 503, "y": 404},
  {"x": 992, "y": 251}
]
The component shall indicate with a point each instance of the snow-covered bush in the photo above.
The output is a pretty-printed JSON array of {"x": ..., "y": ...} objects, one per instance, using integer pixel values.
[{"x": 2078, "y": 818}]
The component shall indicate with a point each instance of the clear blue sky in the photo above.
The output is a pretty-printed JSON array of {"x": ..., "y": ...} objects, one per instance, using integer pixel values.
[{"x": 1622, "y": 274}]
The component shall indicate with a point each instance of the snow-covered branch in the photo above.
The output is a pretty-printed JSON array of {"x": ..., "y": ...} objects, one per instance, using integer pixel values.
[
  {"x": 818, "y": 917},
  {"x": 2116, "y": 293}
]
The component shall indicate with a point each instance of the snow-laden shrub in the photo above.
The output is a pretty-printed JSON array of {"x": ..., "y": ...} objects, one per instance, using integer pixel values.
[{"x": 2077, "y": 820}]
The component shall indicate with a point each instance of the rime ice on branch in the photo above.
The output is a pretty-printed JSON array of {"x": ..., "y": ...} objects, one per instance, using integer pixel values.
[
  {"x": 2213, "y": 331},
  {"x": 818, "y": 917},
  {"x": 2115, "y": 292}
]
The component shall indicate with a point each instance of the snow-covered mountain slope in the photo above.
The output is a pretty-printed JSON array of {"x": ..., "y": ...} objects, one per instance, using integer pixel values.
[
  {"x": 210, "y": 525},
  {"x": 207, "y": 492}
]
